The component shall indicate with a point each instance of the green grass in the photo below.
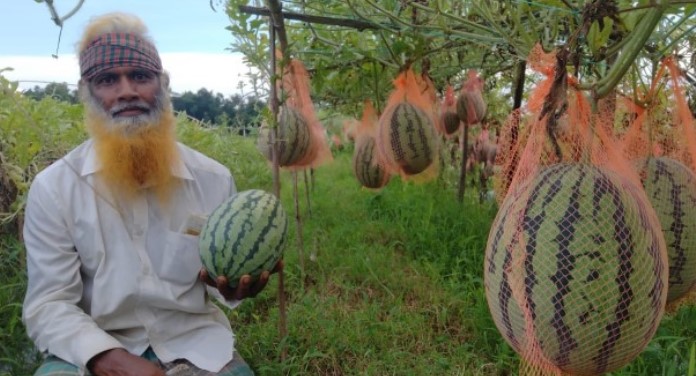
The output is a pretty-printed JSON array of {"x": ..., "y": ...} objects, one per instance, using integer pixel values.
[
  {"x": 17, "y": 356},
  {"x": 391, "y": 282},
  {"x": 382, "y": 296}
]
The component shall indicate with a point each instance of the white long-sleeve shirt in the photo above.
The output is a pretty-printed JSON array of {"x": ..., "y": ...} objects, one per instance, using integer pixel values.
[{"x": 104, "y": 274}]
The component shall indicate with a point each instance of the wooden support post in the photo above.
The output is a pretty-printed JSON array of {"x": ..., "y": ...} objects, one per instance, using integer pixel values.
[{"x": 282, "y": 322}]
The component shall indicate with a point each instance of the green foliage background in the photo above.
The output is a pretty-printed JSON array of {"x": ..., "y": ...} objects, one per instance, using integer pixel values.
[{"x": 356, "y": 59}]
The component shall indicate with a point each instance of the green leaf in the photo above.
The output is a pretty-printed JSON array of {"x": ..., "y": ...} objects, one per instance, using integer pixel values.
[
  {"x": 593, "y": 38},
  {"x": 606, "y": 31},
  {"x": 631, "y": 19},
  {"x": 598, "y": 38},
  {"x": 257, "y": 23},
  {"x": 399, "y": 47}
]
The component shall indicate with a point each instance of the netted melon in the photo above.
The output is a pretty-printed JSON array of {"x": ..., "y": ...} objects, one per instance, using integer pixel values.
[
  {"x": 671, "y": 189},
  {"x": 411, "y": 138},
  {"x": 293, "y": 137},
  {"x": 576, "y": 270},
  {"x": 367, "y": 170}
]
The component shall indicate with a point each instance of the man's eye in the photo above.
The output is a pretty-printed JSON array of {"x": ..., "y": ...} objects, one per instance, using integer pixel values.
[
  {"x": 141, "y": 76},
  {"x": 105, "y": 80}
]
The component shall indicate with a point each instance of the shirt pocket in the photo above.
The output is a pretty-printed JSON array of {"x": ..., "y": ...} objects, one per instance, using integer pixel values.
[{"x": 181, "y": 260}]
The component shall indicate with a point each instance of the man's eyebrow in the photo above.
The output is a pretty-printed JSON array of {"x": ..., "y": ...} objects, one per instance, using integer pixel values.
[
  {"x": 104, "y": 75},
  {"x": 142, "y": 71}
]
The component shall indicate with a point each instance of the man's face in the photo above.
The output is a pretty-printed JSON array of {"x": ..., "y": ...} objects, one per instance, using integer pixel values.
[
  {"x": 128, "y": 114},
  {"x": 128, "y": 97}
]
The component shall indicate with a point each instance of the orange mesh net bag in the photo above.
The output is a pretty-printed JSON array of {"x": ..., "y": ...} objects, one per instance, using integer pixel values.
[
  {"x": 302, "y": 140},
  {"x": 471, "y": 107},
  {"x": 575, "y": 268},
  {"x": 448, "y": 123},
  {"x": 406, "y": 141},
  {"x": 366, "y": 167},
  {"x": 661, "y": 148},
  {"x": 516, "y": 129},
  {"x": 348, "y": 130}
]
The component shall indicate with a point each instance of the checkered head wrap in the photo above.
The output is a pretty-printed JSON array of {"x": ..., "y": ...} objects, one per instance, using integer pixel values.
[{"x": 117, "y": 50}]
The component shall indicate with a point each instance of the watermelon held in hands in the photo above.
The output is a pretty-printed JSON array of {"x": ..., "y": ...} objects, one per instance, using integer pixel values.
[{"x": 246, "y": 234}]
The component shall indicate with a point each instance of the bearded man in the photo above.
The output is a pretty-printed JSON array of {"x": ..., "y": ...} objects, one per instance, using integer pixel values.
[{"x": 115, "y": 283}]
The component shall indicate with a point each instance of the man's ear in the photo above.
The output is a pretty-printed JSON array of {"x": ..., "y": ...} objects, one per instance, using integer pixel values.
[
  {"x": 164, "y": 77},
  {"x": 82, "y": 89}
]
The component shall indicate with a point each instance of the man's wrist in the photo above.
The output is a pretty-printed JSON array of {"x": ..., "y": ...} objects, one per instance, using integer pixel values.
[{"x": 95, "y": 359}]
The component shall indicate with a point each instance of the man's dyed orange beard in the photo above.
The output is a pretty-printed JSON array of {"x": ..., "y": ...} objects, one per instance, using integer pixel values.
[{"x": 133, "y": 161}]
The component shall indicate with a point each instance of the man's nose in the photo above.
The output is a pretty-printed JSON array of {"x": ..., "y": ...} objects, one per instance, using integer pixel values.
[{"x": 127, "y": 90}]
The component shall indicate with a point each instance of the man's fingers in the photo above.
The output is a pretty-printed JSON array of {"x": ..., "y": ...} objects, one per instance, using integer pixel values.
[
  {"x": 260, "y": 284},
  {"x": 278, "y": 266},
  {"x": 204, "y": 277},
  {"x": 247, "y": 287},
  {"x": 223, "y": 286},
  {"x": 242, "y": 290}
]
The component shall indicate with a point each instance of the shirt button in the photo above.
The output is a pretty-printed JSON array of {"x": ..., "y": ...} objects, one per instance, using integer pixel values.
[{"x": 138, "y": 231}]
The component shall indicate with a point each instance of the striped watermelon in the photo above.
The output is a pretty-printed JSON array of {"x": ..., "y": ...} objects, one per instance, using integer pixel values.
[
  {"x": 671, "y": 188},
  {"x": 366, "y": 169},
  {"x": 411, "y": 138},
  {"x": 576, "y": 270},
  {"x": 450, "y": 122},
  {"x": 293, "y": 137},
  {"x": 244, "y": 235}
]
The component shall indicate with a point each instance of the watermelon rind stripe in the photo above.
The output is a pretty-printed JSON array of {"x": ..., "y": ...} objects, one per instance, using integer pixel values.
[
  {"x": 678, "y": 252},
  {"x": 256, "y": 239},
  {"x": 531, "y": 225},
  {"x": 242, "y": 211},
  {"x": 218, "y": 218},
  {"x": 528, "y": 224},
  {"x": 239, "y": 234},
  {"x": 565, "y": 264},
  {"x": 421, "y": 127},
  {"x": 239, "y": 230},
  {"x": 295, "y": 128},
  {"x": 368, "y": 172},
  {"x": 677, "y": 227},
  {"x": 551, "y": 182},
  {"x": 410, "y": 134},
  {"x": 623, "y": 275}
]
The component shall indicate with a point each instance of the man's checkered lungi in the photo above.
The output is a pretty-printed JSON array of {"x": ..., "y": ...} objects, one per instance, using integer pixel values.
[{"x": 54, "y": 366}]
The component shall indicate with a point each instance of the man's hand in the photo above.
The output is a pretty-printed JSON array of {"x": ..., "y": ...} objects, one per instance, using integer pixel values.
[
  {"x": 119, "y": 362},
  {"x": 246, "y": 288}
]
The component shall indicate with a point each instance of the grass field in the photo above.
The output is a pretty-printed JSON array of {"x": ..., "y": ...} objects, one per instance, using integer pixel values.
[{"x": 390, "y": 282}]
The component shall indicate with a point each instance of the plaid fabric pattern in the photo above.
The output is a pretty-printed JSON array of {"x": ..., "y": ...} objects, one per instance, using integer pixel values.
[
  {"x": 117, "y": 50},
  {"x": 54, "y": 366}
]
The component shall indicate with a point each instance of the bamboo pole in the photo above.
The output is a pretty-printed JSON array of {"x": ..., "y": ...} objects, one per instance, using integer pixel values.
[
  {"x": 298, "y": 220},
  {"x": 307, "y": 189},
  {"x": 282, "y": 322},
  {"x": 464, "y": 145}
]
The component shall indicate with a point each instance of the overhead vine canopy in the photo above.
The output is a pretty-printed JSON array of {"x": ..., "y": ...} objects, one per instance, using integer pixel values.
[{"x": 354, "y": 48}]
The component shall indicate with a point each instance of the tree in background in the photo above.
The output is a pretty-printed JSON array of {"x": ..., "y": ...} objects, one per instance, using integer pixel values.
[
  {"x": 202, "y": 105},
  {"x": 235, "y": 111},
  {"x": 58, "y": 91}
]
